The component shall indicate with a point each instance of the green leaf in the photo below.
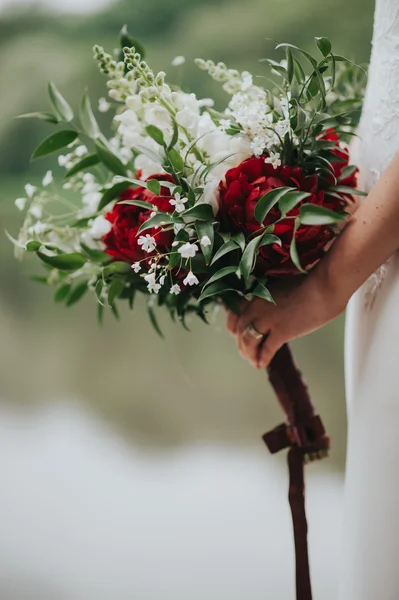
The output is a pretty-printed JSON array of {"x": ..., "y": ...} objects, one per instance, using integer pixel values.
[
  {"x": 87, "y": 118},
  {"x": 154, "y": 186},
  {"x": 262, "y": 292},
  {"x": 175, "y": 160},
  {"x": 309, "y": 57},
  {"x": 110, "y": 160},
  {"x": 266, "y": 202},
  {"x": 41, "y": 116},
  {"x": 115, "y": 289},
  {"x": 290, "y": 65},
  {"x": 222, "y": 273},
  {"x": 156, "y": 134},
  {"x": 77, "y": 293},
  {"x": 239, "y": 238},
  {"x": 53, "y": 143},
  {"x": 97, "y": 256},
  {"x": 215, "y": 289},
  {"x": 158, "y": 220},
  {"x": 313, "y": 214},
  {"x": 175, "y": 136},
  {"x": 117, "y": 267},
  {"x": 348, "y": 172},
  {"x": 268, "y": 238},
  {"x": 62, "y": 292},
  {"x": 139, "y": 203},
  {"x": 112, "y": 193},
  {"x": 88, "y": 161},
  {"x": 206, "y": 228},
  {"x": 64, "y": 262},
  {"x": 61, "y": 106},
  {"x": 126, "y": 40},
  {"x": 200, "y": 211},
  {"x": 343, "y": 189},
  {"x": 294, "y": 251},
  {"x": 100, "y": 313},
  {"x": 290, "y": 200},
  {"x": 248, "y": 258},
  {"x": 227, "y": 247},
  {"x": 154, "y": 321},
  {"x": 324, "y": 45},
  {"x": 33, "y": 246}
]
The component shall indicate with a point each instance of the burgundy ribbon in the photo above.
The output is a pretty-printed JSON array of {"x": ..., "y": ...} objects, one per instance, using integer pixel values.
[{"x": 305, "y": 436}]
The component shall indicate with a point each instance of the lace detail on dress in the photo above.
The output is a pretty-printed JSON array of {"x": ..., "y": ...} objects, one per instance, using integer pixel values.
[{"x": 373, "y": 285}]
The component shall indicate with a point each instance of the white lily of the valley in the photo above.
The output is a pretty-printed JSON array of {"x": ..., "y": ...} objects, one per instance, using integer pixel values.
[
  {"x": 147, "y": 243},
  {"x": 36, "y": 211},
  {"x": 205, "y": 241},
  {"x": 20, "y": 203},
  {"x": 30, "y": 190},
  {"x": 191, "y": 279},
  {"x": 175, "y": 289},
  {"x": 47, "y": 179},
  {"x": 136, "y": 267},
  {"x": 179, "y": 203},
  {"x": 188, "y": 250},
  {"x": 103, "y": 105},
  {"x": 153, "y": 286},
  {"x": 177, "y": 61}
]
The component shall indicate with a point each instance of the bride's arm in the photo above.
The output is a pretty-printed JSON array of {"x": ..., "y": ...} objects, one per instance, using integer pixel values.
[{"x": 369, "y": 239}]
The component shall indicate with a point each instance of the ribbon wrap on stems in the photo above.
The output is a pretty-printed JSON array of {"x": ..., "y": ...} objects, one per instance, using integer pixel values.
[{"x": 304, "y": 434}]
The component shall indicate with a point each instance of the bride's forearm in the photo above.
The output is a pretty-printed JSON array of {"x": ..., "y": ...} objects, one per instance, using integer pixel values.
[{"x": 369, "y": 239}]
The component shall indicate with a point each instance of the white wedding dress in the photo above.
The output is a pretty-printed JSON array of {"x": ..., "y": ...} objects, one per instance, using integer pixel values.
[{"x": 370, "y": 557}]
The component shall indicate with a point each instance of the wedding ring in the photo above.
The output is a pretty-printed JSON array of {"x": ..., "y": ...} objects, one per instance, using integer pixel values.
[{"x": 253, "y": 332}]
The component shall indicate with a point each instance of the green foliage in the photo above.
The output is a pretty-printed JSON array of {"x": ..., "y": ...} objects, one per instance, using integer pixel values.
[{"x": 53, "y": 143}]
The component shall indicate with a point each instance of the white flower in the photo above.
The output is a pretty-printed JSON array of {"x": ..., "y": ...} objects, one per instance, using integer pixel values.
[
  {"x": 224, "y": 124},
  {"x": 30, "y": 190},
  {"x": 205, "y": 241},
  {"x": 273, "y": 159},
  {"x": 174, "y": 244},
  {"x": 177, "y": 61},
  {"x": 37, "y": 228},
  {"x": 178, "y": 203},
  {"x": 103, "y": 105},
  {"x": 188, "y": 250},
  {"x": 136, "y": 267},
  {"x": 63, "y": 161},
  {"x": 162, "y": 279},
  {"x": 80, "y": 151},
  {"x": 191, "y": 279},
  {"x": 147, "y": 243},
  {"x": 99, "y": 227},
  {"x": 153, "y": 214},
  {"x": 36, "y": 211},
  {"x": 208, "y": 102},
  {"x": 47, "y": 179},
  {"x": 282, "y": 127},
  {"x": 20, "y": 203},
  {"x": 177, "y": 227},
  {"x": 153, "y": 286},
  {"x": 175, "y": 289}
]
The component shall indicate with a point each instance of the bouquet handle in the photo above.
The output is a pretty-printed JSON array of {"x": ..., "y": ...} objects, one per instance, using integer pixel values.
[{"x": 304, "y": 434}]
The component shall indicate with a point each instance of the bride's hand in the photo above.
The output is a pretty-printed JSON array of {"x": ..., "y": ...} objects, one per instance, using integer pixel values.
[{"x": 298, "y": 311}]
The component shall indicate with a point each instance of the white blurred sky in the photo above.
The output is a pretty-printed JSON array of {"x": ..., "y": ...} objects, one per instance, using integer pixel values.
[{"x": 58, "y": 5}]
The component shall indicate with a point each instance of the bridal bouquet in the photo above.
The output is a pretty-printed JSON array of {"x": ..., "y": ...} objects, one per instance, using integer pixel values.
[{"x": 190, "y": 205}]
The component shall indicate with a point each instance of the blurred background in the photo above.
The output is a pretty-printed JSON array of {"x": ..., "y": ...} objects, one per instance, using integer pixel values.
[{"x": 132, "y": 467}]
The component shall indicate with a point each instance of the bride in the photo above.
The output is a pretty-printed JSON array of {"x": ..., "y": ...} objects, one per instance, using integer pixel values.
[{"x": 363, "y": 267}]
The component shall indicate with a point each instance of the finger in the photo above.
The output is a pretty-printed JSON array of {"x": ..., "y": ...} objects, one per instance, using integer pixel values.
[
  {"x": 248, "y": 346},
  {"x": 232, "y": 322},
  {"x": 267, "y": 350}
]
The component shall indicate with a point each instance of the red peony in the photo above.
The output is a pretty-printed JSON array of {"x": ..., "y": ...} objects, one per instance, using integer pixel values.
[
  {"x": 246, "y": 184},
  {"x": 122, "y": 241}
]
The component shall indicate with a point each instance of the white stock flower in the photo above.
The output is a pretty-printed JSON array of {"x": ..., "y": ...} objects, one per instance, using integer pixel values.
[
  {"x": 205, "y": 241},
  {"x": 282, "y": 127},
  {"x": 179, "y": 203},
  {"x": 175, "y": 289},
  {"x": 190, "y": 279},
  {"x": 136, "y": 267},
  {"x": 177, "y": 61},
  {"x": 273, "y": 159},
  {"x": 103, "y": 105},
  {"x": 148, "y": 166},
  {"x": 188, "y": 250},
  {"x": 224, "y": 124},
  {"x": 147, "y": 243},
  {"x": 38, "y": 228},
  {"x": 47, "y": 179},
  {"x": 99, "y": 227},
  {"x": 36, "y": 211},
  {"x": 20, "y": 203},
  {"x": 30, "y": 190},
  {"x": 153, "y": 286}
]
